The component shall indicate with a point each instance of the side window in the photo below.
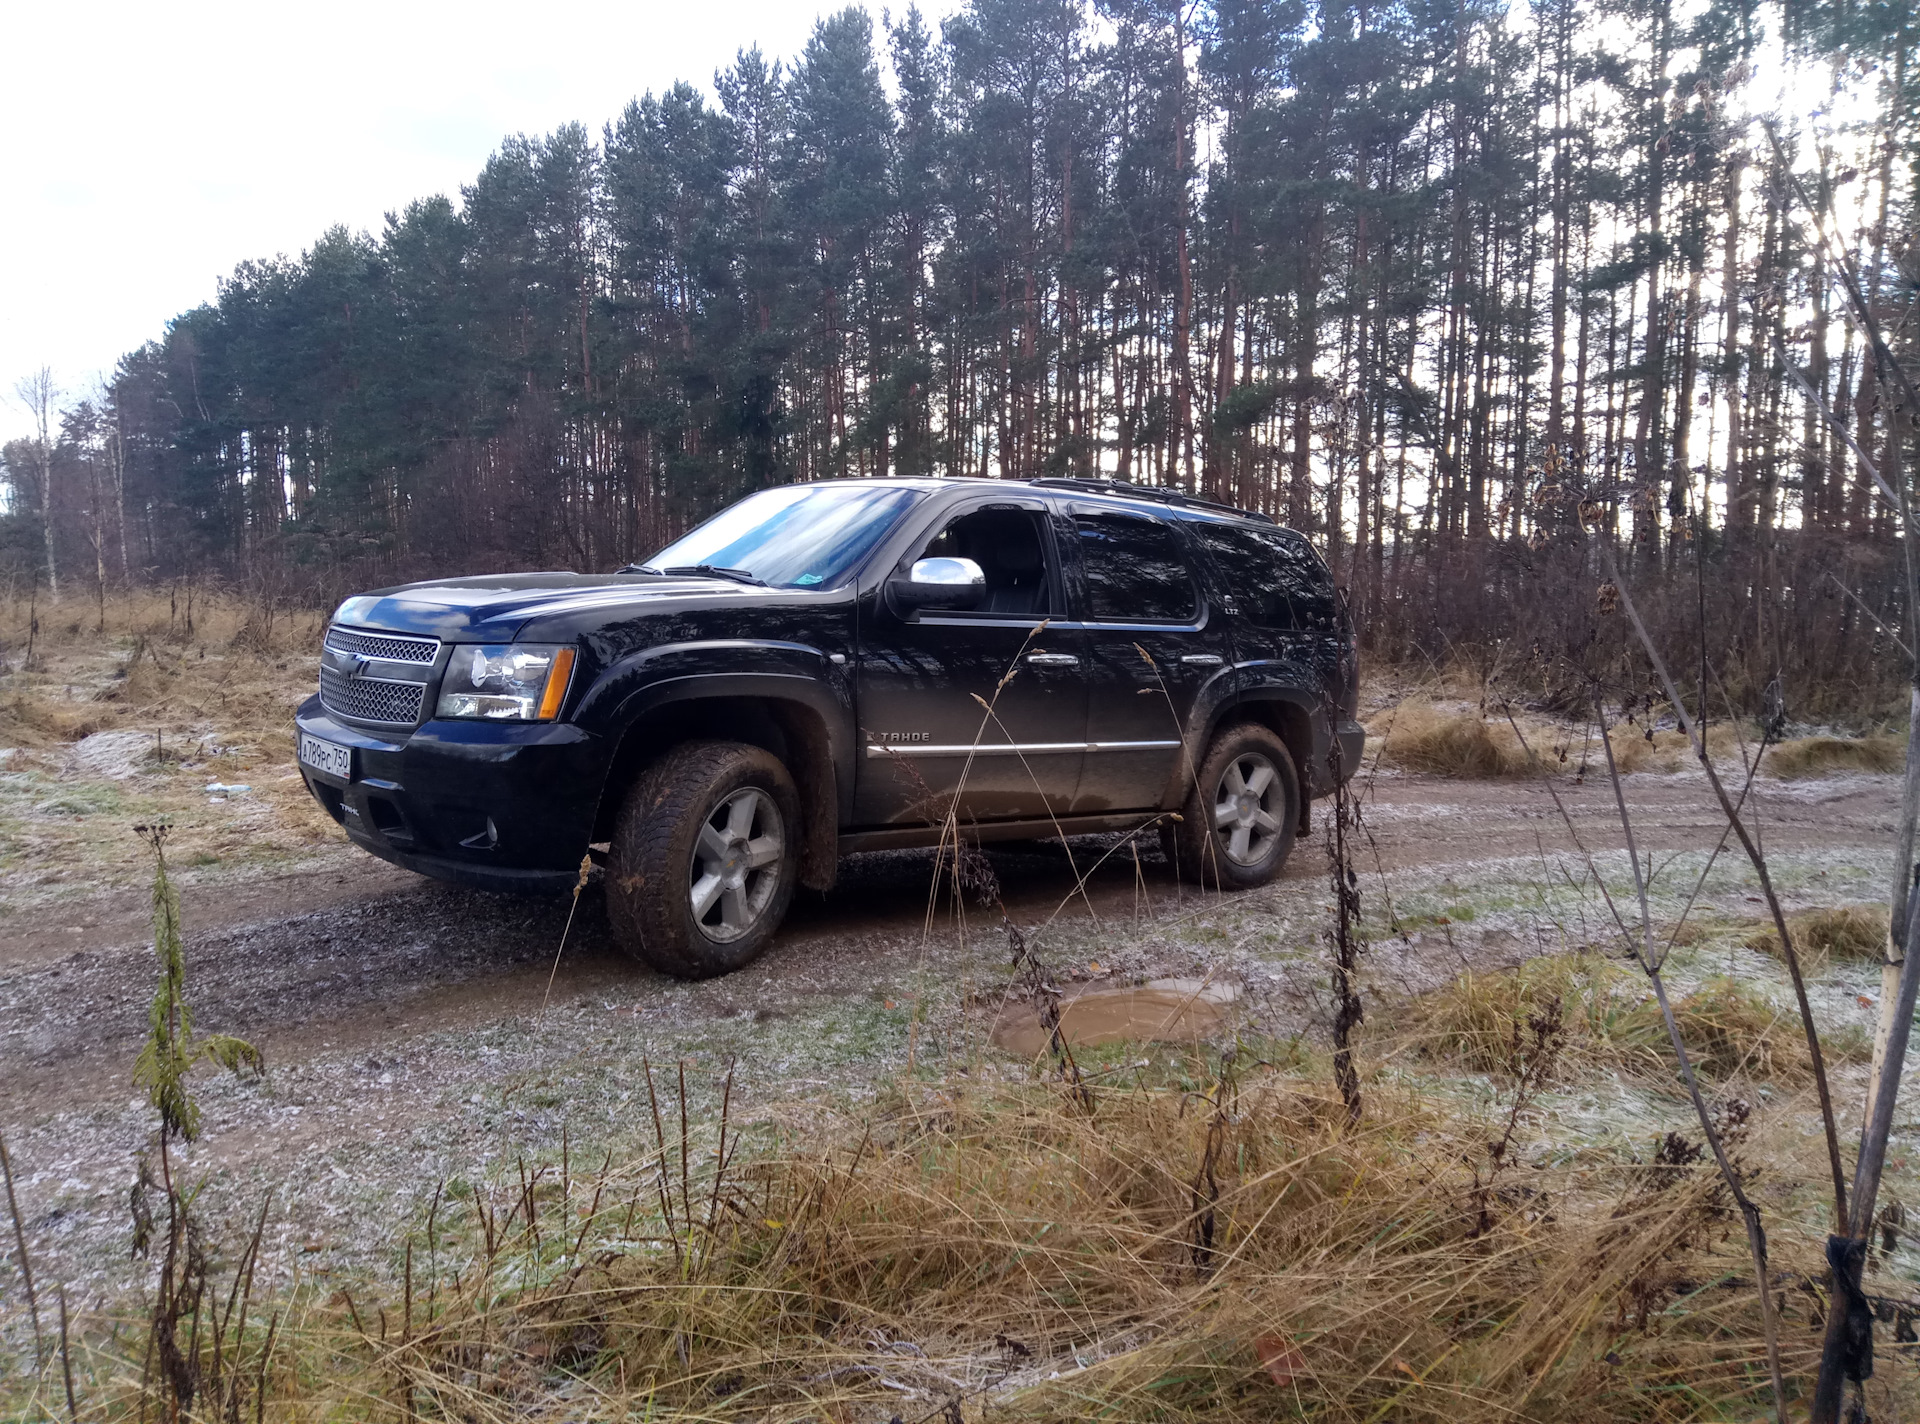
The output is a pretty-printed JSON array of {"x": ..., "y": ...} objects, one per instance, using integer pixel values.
[
  {"x": 1010, "y": 545},
  {"x": 1136, "y": 571},
  {"x": 1272, "y": 574}
]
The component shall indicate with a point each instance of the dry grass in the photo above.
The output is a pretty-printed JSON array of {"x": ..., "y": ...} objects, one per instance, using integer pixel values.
[
  {"x": 1819, "y": 756},
  {"x": 1478, "y": 1023},
  {"x": 215, "y": 702},
  {"x": 1458, "y": 740},
  {"x": 1419, "y": 736},
  {"x": 1226, "y": 1249},
  {"x": 1665, "y": 749},
  {"x": 1838, "y": 932},
  {"x": 1730, "y": 1030}
]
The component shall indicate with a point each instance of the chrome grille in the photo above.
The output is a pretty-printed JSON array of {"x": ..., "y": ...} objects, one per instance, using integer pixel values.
[
  {"x": 371, "y": 699},
  {"x": 393, "y": 647}
]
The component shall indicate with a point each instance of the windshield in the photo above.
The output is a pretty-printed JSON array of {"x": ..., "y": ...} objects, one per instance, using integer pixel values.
[{"x": 798, "y": 536}]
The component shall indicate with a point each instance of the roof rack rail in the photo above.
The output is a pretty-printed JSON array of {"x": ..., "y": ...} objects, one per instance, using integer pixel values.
[{"x": 1160, "y": 494}]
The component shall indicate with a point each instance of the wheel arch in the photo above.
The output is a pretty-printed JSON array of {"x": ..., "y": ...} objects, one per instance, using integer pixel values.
[
  {"x": 790, "y": 717},
  {"x": 1291, "y": 714}
]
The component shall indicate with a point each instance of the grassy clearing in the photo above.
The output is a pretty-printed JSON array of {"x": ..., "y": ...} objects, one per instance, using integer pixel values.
[
  {"x": 982, "y": 1239},
  {"x": 1209, "y": 1242},
  {"x": 103, "y": 727}
]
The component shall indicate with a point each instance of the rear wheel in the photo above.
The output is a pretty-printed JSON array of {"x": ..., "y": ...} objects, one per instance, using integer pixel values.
[
  {"x": 704, "y": 859},
  {"x": 1239, "y": 820}
]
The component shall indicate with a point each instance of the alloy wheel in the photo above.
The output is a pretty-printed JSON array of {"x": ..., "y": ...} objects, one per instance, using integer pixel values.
[
  {"x": 736, "y": 864},
  {"x": 1246, "y": 813}
]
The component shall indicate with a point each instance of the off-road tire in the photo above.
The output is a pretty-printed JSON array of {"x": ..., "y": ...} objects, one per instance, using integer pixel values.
[
  {"x": 652, "y": 874},
  {"x": 1201, "y": 850}
]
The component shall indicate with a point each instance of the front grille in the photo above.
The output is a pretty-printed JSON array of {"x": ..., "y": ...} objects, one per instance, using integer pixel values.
[
  {"x": 371, "y": 699},
  {"x": 392, "y": 647}
]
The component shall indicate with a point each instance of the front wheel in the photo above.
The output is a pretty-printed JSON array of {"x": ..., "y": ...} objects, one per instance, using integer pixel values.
[
  {"x": 704, "y": 859},
  {"x": 1240, "y": 816}
]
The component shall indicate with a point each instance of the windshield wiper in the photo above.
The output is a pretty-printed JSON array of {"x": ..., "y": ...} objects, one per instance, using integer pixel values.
[
  {"x": 717, "y": 571},
  {"x": 640, "y": 569}
]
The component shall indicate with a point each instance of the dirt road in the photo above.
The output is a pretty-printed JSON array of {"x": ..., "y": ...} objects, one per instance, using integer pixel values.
[{"x": 403, "y": 1024}]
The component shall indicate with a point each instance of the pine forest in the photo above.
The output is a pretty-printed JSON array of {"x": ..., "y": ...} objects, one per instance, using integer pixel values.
[{"x": 1443, "y": 285}]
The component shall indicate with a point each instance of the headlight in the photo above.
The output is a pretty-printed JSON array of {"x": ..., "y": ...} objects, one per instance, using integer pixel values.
[{"x": 521, "y": 682}]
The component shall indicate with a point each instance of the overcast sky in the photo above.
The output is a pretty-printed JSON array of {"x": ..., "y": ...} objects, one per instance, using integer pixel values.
[{"x": 149, "y": 147}]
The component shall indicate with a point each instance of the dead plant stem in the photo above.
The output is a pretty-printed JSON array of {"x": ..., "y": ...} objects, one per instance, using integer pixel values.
[
  {"x": 586, "y": 868},
  {"x": 1756, "y": 1233},
  {"x": 1642, "y": 949},
  {"x": 66, "y": 1359},
  {"x": 1759, "y": 861},
  {"x": 20, "y": 1243}
]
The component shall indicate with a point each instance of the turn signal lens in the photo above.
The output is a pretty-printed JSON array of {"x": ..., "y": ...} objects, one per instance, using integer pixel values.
[{"x": 557, "y": 680}]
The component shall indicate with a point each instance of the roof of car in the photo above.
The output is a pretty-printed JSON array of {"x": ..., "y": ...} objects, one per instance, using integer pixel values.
[{"x": 1108, "y": 489}]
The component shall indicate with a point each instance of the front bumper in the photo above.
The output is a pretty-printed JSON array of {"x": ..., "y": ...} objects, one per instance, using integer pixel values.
[{"x": 493, "y": 805}]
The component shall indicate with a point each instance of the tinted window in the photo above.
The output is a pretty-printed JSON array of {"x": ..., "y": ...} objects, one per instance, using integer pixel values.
[
  {"x": 1272, "y": 574},
  {"x": 1135, "y": 570}
]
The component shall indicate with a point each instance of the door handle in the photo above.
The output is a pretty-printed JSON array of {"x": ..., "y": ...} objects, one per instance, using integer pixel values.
[
  {"x": 1202, "y": 659},
  {"x": 1052, "y": 660}
]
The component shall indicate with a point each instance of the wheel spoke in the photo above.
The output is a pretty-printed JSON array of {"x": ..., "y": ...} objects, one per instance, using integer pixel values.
[
  {"x": 734, "y": 912},
  {"x": 764, "y": 851},
  {"x": 1262, "y": 776},
  {"x": 740, "y": 814},
  {"x": 1266, "y": 823},
  {"x": 705, "y": 891},
  {"x": 1237, "y": 843},
  {"x": 712, "y": 844},
  {"x": 1224, "y": 815},
  {"x": 1233, "y": 781}
]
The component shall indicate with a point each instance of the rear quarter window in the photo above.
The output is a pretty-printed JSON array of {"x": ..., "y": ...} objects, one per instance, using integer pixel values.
[{"x": 1273, "y": 575}]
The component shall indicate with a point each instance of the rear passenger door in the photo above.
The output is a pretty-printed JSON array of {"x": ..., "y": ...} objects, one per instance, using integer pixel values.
[{"x": 1153, "y": 644}]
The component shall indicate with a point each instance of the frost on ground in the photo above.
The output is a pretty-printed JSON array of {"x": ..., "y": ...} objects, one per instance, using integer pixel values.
[{"x": 408, "y": 1048}]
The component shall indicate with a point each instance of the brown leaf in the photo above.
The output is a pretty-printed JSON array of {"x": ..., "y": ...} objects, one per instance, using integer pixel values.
[{"x": 1280, "y": 1358}]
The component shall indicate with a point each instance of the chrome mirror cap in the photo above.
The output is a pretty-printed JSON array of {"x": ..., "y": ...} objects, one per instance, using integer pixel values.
[{"x": 948, "y": 573}]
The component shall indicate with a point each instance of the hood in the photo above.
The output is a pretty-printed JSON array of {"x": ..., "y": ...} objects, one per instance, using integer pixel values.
[{"x": 495, "y": 607}]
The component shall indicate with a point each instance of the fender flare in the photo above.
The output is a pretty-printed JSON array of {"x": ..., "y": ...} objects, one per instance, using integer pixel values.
[{"x": 782, "y": 674}]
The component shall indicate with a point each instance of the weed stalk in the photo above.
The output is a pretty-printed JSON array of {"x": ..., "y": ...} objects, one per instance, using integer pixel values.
[
  {"x": 1640, "y": 945},
  {"x": 20, "y": 1243},
  {"x": 1346, "y": 936}
]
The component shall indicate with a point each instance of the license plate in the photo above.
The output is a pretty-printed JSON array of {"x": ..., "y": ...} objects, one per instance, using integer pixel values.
[{"x": 326, "y": 757}]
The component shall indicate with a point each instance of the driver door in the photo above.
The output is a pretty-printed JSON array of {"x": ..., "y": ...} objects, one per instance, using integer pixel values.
[{"x": 982, "y": 709}]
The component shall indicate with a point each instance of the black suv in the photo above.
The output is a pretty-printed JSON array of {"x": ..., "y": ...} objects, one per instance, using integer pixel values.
[{"x": 836, "y": 667}]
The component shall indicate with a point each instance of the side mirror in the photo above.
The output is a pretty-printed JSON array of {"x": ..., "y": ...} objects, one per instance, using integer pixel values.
[{"x": 938, "y": 583}]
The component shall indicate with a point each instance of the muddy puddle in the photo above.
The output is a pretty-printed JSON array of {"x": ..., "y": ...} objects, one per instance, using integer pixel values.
[{"x": 1160, "y": 1011}]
